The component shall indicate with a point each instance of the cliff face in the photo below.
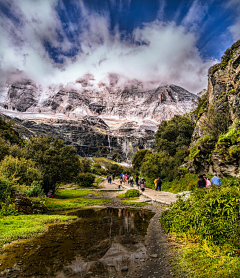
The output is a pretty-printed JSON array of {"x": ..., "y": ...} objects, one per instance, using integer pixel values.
[
  {"x": 98, "y": 119},
  {"x": 219, "y": 153}
]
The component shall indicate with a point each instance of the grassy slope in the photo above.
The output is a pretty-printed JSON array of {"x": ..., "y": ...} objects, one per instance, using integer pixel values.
[{"x": 67, "y": 198}]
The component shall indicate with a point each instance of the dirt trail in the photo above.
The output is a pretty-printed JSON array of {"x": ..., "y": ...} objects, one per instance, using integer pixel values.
[{"x": 157, "y": 264}]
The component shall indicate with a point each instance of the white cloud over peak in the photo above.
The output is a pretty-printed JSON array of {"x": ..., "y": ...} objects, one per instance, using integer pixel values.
[{"x": 158, "y": 52}]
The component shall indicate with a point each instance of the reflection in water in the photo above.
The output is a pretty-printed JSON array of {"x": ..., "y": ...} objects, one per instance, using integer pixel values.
[{"x": 99, "y": 243}]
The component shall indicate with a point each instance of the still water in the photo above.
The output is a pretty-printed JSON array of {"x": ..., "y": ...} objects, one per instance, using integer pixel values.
[{"x": 100, "y": 243}]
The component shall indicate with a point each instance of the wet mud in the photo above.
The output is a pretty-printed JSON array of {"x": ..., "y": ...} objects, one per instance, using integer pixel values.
[{"x": 106, "y": 242}]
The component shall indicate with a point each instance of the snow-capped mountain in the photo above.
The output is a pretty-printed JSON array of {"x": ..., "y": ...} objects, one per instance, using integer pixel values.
[{"x": 129, "y": 110}]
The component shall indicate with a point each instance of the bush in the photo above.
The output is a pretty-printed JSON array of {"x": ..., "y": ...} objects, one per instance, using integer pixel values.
[
  {"x": 97, "y": 165},
  {"x": 85, "y": 179},
  {"x": 34, "y": 190},
  {"x": 132, "y": 193},
  {"x": 209, "y": 214},
  {"x": 8, "y": 209},
  {"x": 85, "y": 165},
  {"x": 4, "y": 148},
  {"x": 6, "y": 188},
  {"x": 20, "y": 169},
  {"x": 115, "y": 168}
]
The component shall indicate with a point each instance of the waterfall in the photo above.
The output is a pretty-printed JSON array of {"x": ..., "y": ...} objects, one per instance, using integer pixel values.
[
  {"x": 109, "y": 143},
  {"x": 125, "y": 147}
]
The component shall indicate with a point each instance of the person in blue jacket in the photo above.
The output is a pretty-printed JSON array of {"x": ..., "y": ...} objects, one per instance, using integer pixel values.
[{"x": 216, "y": 180}]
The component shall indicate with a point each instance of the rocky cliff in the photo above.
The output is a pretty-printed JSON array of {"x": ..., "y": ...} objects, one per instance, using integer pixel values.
[
  {"x": 216, "y": 140},
  {"x": 101, "y": 119}
]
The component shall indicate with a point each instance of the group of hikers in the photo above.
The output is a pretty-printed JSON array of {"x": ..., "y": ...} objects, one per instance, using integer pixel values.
[
  {"x": 140, "y": 182},
  {"x": 203, "y": 181}
]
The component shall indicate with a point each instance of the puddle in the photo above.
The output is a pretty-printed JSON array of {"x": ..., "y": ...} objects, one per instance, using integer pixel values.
[{"x": 99, "y": 244}]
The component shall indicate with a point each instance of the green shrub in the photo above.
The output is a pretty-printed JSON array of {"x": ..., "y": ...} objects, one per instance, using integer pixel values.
[
  {"x": 132, "y": 193},
  {"x": 6, "y": 188},
  {"x": 8, "y": 209},
  {"x": 34, "y": 190},
  {"x": 21, "y": 169},
  {"x": 115, "y": 168},
  {"x": 85, "y": 165},
  {"x": 97, "y": 165},
  {"x": 209, "y": 214},
  {"x": 186, "y": 183},
  {"x": 4, "y": 148},
  {"x": 85, "y": 179}
]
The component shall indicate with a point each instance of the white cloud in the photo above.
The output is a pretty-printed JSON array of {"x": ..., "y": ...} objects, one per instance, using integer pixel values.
[
  {"x": 158, "y": 52},
  {"x": 235, "y": 28}
]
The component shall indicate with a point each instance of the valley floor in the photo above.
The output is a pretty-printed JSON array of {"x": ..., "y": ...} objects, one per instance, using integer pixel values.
[{"x": 157, "y": 247}]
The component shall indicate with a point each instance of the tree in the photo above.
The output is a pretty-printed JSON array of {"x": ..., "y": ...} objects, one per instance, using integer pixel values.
[
  {"x": 57, "y": 161},
  {"x": 138, "y": 158},
  {"x": 174, "y": 134}
]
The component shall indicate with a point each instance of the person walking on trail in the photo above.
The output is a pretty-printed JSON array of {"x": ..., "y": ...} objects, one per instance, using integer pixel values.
[
  {"x": 201, "y": 183},
  {"x": 121, "y": 176},
  {"x": 113, "y": 176},
  {"x": 208, "y": 182},
  {"x": 142, "y": 185},
  {"x": 131, "y": 180},
  {"x": 155, "y": 183},
  {"x": 159, "y": 184},
  {"x": 121, "y": 180},
  {"x": 127, "y": 176},
  {"x": 136, "y": 180},
  {"x": 216, "y": 180},
  {"x": 109, "y": 178},
  {"x": 120, "y": 183}
]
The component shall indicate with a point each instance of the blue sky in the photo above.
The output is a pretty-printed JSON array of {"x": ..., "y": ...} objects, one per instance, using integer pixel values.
[{"x": 155, "y": 41}]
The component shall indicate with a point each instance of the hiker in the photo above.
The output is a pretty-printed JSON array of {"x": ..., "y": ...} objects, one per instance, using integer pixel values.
[
  {"x": 113, "y": 176},
  {"x": 136, "y": 180},
  {"x": 216, "y": 180},
  {"x": 120, "y": 184},
  {"x": 127, "y": 176},
  {"x": 208, "y": 182},
  {"x": 201, "y": 183},
  {"x": 50, "y": 194},
  {"x": 121, "y": 180},
  {"x": 159, "y": 184},
  {"x": 142, "y": 185},
  {"x": 121, "y": 175},
  {"x": 109, "y": 178},
  {"x": 155, "y": 183},
  {"x": 131, "y": 180}
]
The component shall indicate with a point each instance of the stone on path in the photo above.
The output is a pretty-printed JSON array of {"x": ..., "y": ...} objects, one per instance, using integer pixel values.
[{"x": 154, "y": 255}]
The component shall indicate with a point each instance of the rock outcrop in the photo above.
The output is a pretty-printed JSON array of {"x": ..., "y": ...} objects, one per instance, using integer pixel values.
[
  {"x": 22, "y": 95},
  {"x": 221, "y": 154}
]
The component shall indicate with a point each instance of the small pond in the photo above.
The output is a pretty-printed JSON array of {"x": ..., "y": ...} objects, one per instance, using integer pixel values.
[{"x": 100, "y": 243}]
